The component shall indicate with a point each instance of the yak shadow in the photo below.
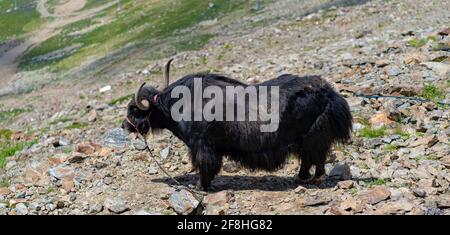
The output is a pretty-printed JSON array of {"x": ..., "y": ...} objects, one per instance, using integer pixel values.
[
  {"x": 263, "y": 183},
  {"x": 242, "y": 182}
]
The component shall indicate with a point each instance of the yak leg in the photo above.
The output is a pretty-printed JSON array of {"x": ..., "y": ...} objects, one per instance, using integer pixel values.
[
  {"x": 304, "y": 174},
  {"x": 208, "y": 164},
  {"x": 319, "y": 156},
  {"x": 314, "y": 152}
]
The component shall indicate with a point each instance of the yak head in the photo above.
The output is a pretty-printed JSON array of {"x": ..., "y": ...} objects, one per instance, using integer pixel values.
[{"x": 142, "y": 105}]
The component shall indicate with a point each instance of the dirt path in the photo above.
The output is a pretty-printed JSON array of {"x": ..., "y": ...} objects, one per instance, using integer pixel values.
[
  {"x": 69, "y": 7},
  {"x": 42, "y": 9},
  {"x": 8, "y": 60}
]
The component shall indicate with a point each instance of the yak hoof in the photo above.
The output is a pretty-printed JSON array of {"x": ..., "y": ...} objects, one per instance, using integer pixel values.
[
  {"x": 199, "y": 187},
  {"x": 299, "y": 180},
  {"x": 317, "y": 180}
]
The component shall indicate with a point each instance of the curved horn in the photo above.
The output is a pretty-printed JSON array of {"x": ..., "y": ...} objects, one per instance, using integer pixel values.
[
  {"x": 142, "y": 104},
  {"x": 166, "y": 73}
]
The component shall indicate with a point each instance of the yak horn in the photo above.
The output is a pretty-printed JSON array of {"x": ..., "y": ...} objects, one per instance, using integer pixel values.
[
  {"x": 166, "y": 73},
  {"x": 142, "y": 104}
]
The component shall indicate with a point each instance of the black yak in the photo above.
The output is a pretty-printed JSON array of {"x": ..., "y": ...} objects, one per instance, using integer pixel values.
[{"x": 312, "y": 116}]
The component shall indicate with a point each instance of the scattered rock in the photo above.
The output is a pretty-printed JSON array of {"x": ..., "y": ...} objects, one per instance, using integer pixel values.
[
  {"x": 300, "y": 189},
  {"x": 443, "y": 202},
  {"x": 418, "y": 192},
  {"x": 439, "y": 68},
  {"x": 393, "y": 71},
  {"x": 316, "y": 200},
  {"x": 16, "y": 201},
  {"x": 398, "y": 207},
  {"x": 21, "y": 209},
  {"x": 346, "y": 184},
  {"x": 98, "y": 207},
  {"x": 352, "y": 205},
  {"x": 428, "y": 141},
  {"x": 76, "y": 158},
  {"x": 375, "y": 195},
  {"x": 183, "y": 202},
  {"x": 4, "y": 191},
  {"x": 379, "y": 120},
  {"x": 444, "y": 32},
  {"x": 60, "y": 142},
  {"x": 341, "y": 172},
  {"x": 152, "y": 170},
  {"x": 85, "y": 149},
  {"x": 217, "y": 203},
  {"x": 116, "y": 205},
  {"x": 62, "y": 172},
  {"x": 116, "y": 138},
  {"x": 164, "y": 153},
  {"x": 92, "y": 116},
  {"x": 105, "y": 89},
  {"x": 65, "y": 174}
]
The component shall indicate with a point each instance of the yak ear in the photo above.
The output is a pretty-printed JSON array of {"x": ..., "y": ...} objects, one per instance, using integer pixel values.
[{"x": 141, "y": 101}]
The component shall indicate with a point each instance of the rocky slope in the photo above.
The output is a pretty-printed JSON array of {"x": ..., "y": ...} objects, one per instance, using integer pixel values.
[{"x": 398, "y": 161}]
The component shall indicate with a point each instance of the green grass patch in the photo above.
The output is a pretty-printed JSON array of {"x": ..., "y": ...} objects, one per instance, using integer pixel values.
[
  {"x": 5, "y": 134},
  {"x": 420, "y": 42},
  {"x": 432, "y": 157},
  {"x": 78, "y": 125},
  {"x": 94, "y": 3},
  {"x": 432, "y": 93},
  {"x": 120, "y": 99},
  {"x": 420, "y": 134},
  {"x": 143, "y": 23},
  {"x": 8, "y": 148},
  {"x": 7, "y": 115},
  {"x": 403, "y": 134},
  {"x": 368, "y": 132},
  {"x": 376, "y": 181},
  {"x": 390, "y": 147},
  {"x": 193, "y": 43},
  {"x": 61, "y": 120},
  {"x": 4, "y": 182},
  {"x": 16, "y": 22},
  {"x": 50, "y": 189}
]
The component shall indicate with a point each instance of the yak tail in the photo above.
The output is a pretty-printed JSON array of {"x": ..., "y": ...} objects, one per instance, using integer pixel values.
[{"x": 335, "y": 123}]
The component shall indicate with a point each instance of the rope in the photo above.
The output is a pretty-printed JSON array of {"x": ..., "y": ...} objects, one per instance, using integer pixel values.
[
  {"x": 142, "y": 137},
  {"x": 194, "y": 193}
]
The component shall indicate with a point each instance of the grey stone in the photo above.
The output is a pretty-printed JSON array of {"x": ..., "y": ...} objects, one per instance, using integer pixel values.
[
  {"x": 183, "y": 202},
  {"x": 108, "y": 180},
  {"x": 341, "y": 172},
  {"x": 418, "y": 192},
  {"x": 152, "y": 170},
  {"x": 61, "y": 172},
  {"x": 394, "y": 71},
  {"x": 3, "y": 205},
  {"x": 164, "y": 153},
  {"x": 138, "y": 144},
  {"x": 21, "y": 209},
  {"x": 116, "y": 138},
  {"x": 116, "y": 205},
  {"x": 374, "y": 142},
  {"x": 96, "y": 208}
]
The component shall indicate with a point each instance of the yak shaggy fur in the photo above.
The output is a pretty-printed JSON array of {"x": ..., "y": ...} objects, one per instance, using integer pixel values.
[{"x": 312, "y": 117}]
